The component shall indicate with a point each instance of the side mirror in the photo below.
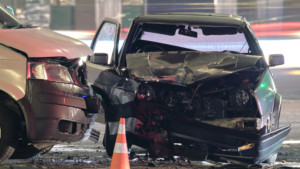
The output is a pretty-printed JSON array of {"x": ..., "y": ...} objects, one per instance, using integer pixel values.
[
  {"x": 276, "y": 59},
  {"x": 10, "y": 10},
  {"x": 100, "y": 58},
  {"x": 124, "y": 72}
]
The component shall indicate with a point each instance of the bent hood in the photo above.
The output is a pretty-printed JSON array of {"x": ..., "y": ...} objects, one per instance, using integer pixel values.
[
  {"x": 187, "y": 67},
  {"x": 38, "y": 42}
]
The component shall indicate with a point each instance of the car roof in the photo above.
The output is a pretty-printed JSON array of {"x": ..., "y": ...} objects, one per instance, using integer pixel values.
[{"x": 199, "y": 18}]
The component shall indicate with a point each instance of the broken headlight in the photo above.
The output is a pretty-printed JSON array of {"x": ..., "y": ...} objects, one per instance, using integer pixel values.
[
  {"x": 240, "y": 98},
  {"x": 48, "y": 71},
  {"x": 146, "y": 92}
]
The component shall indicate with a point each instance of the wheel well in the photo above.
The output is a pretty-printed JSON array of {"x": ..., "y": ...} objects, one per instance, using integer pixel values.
[{"x": 10, "y": 104}]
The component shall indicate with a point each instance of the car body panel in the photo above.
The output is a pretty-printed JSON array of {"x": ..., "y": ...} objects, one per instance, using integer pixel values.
[
  {"x": 186, "y": 67},
  {"x": 12, "y": 67},
  {"x": 39, "y": 42},
  {"x": 265, "y": 93},
  {"x": 51, "y": 103}
]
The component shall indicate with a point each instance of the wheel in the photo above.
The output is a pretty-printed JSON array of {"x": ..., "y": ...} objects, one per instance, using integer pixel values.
[
  {"x": 108, "y": 141},
  {"x": 29, "y": 152},
  {"x": 9, "y": 127},
  {"x": 272, "y": 158}
]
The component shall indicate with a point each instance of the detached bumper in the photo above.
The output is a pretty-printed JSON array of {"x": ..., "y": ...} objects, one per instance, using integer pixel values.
[
  {"x": 228, "y": 141},
  {"x": 56, "y": 112}
]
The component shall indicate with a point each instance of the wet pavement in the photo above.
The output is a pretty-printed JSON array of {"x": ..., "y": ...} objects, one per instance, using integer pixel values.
[{"x": 90, "y": 155}]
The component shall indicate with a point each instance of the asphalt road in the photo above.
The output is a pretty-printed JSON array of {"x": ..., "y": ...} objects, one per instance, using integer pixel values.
[{"x": 287, "y": 81}]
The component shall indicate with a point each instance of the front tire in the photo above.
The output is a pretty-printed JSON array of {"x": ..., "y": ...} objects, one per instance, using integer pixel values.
[
  {"x": 108, "y": 141},
  {"x": 9, "y": 127}
]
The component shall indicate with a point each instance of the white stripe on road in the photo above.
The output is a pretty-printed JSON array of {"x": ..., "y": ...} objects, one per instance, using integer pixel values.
[
  {"x": 291, "y": 142},
  {"x": 69, "y": 148},
  {"x": 72, "y": 149}
]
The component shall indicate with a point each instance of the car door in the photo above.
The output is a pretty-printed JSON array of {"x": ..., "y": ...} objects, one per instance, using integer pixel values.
[{"x": 105, "y": 47}]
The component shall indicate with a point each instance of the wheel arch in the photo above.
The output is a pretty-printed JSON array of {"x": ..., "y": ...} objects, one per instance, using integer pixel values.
[{"x": 10, "y": 103}]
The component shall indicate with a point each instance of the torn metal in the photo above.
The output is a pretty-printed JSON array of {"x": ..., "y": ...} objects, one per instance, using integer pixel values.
[{"x": 187, "y": 67}]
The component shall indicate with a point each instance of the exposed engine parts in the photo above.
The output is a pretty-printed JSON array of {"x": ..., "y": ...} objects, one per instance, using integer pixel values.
[{"x": 199, "y": 104}]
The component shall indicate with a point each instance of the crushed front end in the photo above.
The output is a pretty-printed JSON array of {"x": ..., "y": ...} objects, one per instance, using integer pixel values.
[
  {"x": 229, "y": 111},
  {"x": 191, "y": 84},
  {"x": 58, "y": 106},
  {"x": 234, "y": 118}
]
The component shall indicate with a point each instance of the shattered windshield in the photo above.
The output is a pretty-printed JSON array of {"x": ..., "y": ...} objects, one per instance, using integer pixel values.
[{"x": 7, "y": 20}]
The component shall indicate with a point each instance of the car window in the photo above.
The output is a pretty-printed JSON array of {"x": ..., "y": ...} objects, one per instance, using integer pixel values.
[{"x": 105, "y": 40}]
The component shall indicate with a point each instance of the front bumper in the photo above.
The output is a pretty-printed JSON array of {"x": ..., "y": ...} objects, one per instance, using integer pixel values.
[
  {"x": 56, "y": 112},
  {"x": 227, "y": 141},
  {"x": 219, "y": 143}
]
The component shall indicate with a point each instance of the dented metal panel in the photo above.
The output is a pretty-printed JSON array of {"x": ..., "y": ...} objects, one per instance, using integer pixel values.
[
  {"x": 265, "y": 93},
  {"x": 186, "y": 67}
]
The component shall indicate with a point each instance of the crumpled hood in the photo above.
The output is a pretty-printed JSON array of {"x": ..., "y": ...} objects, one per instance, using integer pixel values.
[
  {"x": 187, "y": 67},
  {"x": 38, "y": 42}
]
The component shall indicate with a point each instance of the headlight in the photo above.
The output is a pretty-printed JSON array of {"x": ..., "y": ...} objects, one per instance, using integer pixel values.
[
  {"x": 145, "y": 92},
  {"x": 48, "y": 71},
  {"x": 240, "y": 98}
]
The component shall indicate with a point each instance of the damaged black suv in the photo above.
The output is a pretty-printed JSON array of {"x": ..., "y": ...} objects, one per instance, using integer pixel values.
[{"x": 185, "y": 83}]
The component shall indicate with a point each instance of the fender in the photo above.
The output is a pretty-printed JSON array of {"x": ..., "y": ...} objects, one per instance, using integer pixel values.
[
  {"x": 277, "y": 104},
  {"x": 276, "y": 112},
  {"x": 12, "y": 73}
]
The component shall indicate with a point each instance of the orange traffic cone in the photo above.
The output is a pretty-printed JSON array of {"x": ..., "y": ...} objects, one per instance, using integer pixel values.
[{"x": 120, "y": 158}]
